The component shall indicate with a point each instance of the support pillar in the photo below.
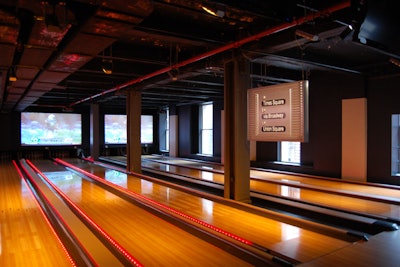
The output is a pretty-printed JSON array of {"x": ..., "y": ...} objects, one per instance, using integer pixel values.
[
  {"x": 94, "y": 131},
  {"x": 173, "y": 136},
  {"x": 134, "y": 147},
  {"x": 236, "y": 146}
]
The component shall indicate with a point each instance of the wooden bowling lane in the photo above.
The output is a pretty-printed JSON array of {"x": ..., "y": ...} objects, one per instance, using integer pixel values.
[
  {"x": 202, "y": 175},
  {"x": 289, "y": 186},
  {"x": 201, "y": 165},
  {"x": 381, "y": 251},
  {"x": 353, "y": 204},
  {"x": 26, "y": 238},
  {"x": 153, "y": 241},
  {"x": 378, "y": 191},
  {"x": 288, "y": 240}
]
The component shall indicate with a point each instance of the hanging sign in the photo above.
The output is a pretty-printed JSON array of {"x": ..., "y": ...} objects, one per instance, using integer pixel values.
[{"x": 278, "y": 112}]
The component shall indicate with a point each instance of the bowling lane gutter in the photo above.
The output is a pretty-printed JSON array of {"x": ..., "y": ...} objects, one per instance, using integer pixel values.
[
  {"x": 47, "y": 215},
  {"x": 76, "y": 250},
  {"x": 384, "y": 199},
  {"x": 121, "y": 255},
  {"x": 332, "y": 231},
  {"x": 236, "y": 245},
  {"x": 372, "y": 223}
]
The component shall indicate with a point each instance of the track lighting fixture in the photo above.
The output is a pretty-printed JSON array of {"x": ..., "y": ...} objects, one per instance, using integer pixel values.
[
  {"x": 107, "y": 62},
  {"x": 12, "y": 76},
  {"x": 106, "y": 66}
]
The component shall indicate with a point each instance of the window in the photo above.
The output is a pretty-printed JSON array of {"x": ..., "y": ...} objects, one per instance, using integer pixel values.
[
  {"x": 164, "y": 130},
  {"x": 289, "y": 152},
  {"x": 206, "y": 129},
  {"x": 395, "y": 144}
]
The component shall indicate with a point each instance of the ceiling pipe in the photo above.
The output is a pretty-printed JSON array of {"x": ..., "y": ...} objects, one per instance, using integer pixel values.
[{"x": 224, "y": 48}]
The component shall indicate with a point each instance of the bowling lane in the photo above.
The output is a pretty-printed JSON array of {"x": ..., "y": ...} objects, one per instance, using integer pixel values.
[
  {"x": 291, "y": 187},
  {"x": 215, "y": 167},
  {"x": 342, "y": 202},
  {"x": 205, "y": 175},
  {"x": 153, "y": 241},
  {"x": 375, "y": 190},
  {"x": 26, "y": 238},
  {"x": 290, "y": 241}
]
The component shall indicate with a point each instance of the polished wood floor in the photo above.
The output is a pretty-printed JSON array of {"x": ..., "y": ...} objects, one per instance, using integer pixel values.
[
  {"x": 355, "y": 197},
  {"x": 381, "y": 250},
  {"x": 156, "y": 242},
  {"x": 150, "y": 239},
  {"x": 288, "y": 240},
  {"x": 26, "y": 238}
]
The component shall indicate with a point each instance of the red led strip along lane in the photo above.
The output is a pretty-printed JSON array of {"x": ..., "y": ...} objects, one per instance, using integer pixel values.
[
  {"x": 44, "y": 215},
  {"x": 127, "y": 255},
  {"x": 160, "y": 205}
]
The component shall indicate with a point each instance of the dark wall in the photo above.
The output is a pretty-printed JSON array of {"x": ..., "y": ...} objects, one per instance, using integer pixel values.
[
  {"x": 188, "y": 128},
  {"x": 189, "y": 132},
  {"x": 321, "y": 155},
  {"x": 383, "y": 101},
  {"x": 323, "y": 152},
  {"x": 10, "y": 132}
]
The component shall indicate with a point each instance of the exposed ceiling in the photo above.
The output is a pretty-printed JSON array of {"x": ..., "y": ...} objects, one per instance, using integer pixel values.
[{"x": 173, "y": 50}]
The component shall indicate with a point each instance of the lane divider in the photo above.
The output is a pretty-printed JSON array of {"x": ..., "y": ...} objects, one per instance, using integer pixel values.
[
  {"x": 106, "y": 236},
  {"x": 84, "y": 254},
  {"x": 274, "y": 256},
  {"x": 69, "y": 257}
]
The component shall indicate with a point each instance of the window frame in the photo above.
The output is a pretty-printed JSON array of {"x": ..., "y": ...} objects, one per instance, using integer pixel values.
[{"x": 206, "y": 119}]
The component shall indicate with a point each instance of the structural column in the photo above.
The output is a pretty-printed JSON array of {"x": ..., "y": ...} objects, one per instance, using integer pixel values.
[
  {"x": 173, "y": 136},
  {"x": 134, "y": 147},
  {"x": 236, "y": 146},
  {"x": 94, "y": 131}
]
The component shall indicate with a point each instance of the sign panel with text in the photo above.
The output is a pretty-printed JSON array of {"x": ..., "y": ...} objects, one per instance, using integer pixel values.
[{"x": 278, "y": 112}]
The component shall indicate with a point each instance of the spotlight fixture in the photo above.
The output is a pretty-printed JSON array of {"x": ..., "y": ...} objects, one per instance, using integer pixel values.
[
  {"x": 12, "y": 77},
  {"x": 106, "y": 66},
  {"x": 307, "y": 36}
]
